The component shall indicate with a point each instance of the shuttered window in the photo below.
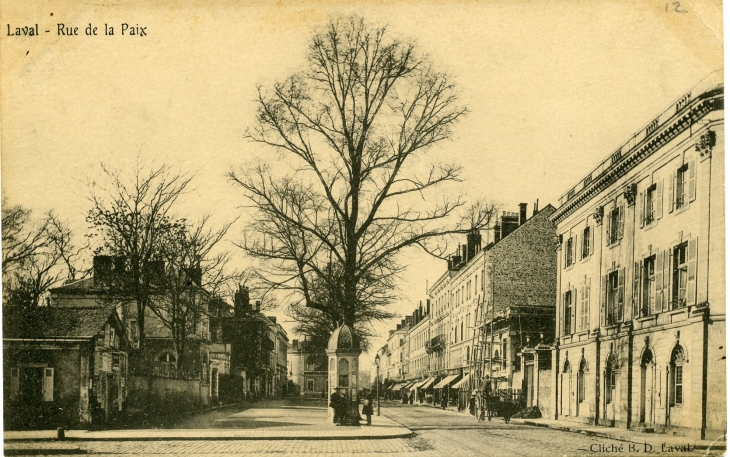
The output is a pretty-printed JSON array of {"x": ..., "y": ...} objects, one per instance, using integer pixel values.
[
  {"x": 586, "y": 242},
  {"x": 615, "y": 296},
  {"x": 48, "y": 375},
  {"x": 14, "y": 384},
  {"x": 584, "y": 302},
  {"x": 567, "y": 312}
]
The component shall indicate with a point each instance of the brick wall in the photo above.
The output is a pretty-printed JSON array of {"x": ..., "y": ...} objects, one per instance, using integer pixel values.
[{"x": 525, "y": 264}]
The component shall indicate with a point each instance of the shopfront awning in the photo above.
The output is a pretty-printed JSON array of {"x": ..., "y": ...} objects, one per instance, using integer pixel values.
[
  {"x": 428, "y": 382},
  {"x": 420, "y": 383},
  {"x": 395, "y": 387},
  {"x": 446, "y": 381},
  {"x": 464, "y": 382}
]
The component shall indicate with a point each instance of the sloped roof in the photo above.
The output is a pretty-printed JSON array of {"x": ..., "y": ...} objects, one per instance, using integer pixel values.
[
  {"x": 80, "y": 286},
  {"x": 51, "y": 322}
]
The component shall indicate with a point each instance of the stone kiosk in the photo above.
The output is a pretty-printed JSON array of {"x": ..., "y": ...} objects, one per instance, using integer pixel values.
[{"x": 343, "y": 352}]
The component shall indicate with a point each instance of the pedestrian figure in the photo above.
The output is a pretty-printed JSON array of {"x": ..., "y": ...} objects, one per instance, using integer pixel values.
[
  {"x": 367, "y": 409},
  {"x": 472, "y": 404},
  {"x": 421, "y": 394},
  {"x": 444, "y": 400},
  {"x": 335, "y": 405},
  {"x": 411, "y": 397},
  {"x": 404, "y": 397}
]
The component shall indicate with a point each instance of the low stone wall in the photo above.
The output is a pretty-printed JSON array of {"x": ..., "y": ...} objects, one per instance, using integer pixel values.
[{"x": 159, "y": 396}]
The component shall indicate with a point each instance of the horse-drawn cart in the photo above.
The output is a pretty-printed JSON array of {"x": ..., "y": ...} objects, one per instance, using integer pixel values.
[{"x": 501, "y": 403}]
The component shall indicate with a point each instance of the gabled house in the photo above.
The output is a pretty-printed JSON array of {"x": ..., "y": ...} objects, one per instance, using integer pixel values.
[
  {"x": 63, "y": 367},
  {"x": 160, "y": 354}
]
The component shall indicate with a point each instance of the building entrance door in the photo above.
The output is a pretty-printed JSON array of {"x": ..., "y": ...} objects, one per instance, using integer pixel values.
[
  {"x": 646, "y": 404},
  {"x": 530, "y": 384}
]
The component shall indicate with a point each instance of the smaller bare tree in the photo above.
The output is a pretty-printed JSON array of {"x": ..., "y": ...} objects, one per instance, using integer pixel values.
[
  {"x": 132, "y": 215},
  {"x": 36, "y": 255},
  {"x": 194, "y": 276}
]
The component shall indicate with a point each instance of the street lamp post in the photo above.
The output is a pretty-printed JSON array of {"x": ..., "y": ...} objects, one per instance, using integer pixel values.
[{"x": 377, "y": 380}]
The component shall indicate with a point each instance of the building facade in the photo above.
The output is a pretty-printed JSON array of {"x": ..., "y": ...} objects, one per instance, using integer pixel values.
[
  {"x": 64, "y": 366},
  {"x": 308, "y": 371},
  {"x": 460, "y": 338},
  {"x": 641, "y": 279}
]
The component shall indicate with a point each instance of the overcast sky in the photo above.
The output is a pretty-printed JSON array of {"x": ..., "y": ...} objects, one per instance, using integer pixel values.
[{"x": 552, "y": 89}]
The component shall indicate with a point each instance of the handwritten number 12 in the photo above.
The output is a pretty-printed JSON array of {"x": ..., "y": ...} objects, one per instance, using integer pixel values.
[{"x": 677, "y": 7}]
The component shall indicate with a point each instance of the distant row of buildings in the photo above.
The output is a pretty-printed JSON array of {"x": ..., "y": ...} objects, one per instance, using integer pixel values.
[
  {"x": 78, "y": 361},
  {"x": 609, "y": 309}
]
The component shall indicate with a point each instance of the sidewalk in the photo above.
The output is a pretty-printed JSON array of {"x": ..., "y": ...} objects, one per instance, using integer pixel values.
[
  {"x": 322, "y": 429},
  {"x": 658, "y": 442}
]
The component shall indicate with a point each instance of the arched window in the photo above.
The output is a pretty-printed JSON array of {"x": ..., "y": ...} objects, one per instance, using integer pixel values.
[
  {"x": 344, "y": 366},
  {"x": 611, "y": 371},
  {"x": 647, "y": 357},
  {"x": 582, "y": 381},
  {"x": 677, "y": 375}
]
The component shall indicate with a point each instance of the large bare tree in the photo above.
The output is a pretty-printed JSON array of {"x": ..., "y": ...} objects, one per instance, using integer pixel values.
[
  {"x": 132, "y": 214},
  {"x": 354, "y": 182}
]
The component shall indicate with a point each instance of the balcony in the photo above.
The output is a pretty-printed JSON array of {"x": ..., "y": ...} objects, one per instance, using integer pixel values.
[{"x": 435, "y": 344}]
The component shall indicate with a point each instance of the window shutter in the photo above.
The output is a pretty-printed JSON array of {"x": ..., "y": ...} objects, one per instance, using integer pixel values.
[
  {"x": 575, "y": 248},
  {"x": 692, "y": 272},
  {"x": 604, "y": 280},
  {"x": 658, "y": 199},
  {"x": 607, "y": 222},
  {"x": 659, "y": 298},
  {"x": 642, "y": 209},
  {"x": 588, "y": 305},
  {"x": 621, "y": 289},
  {"x": 106, "y": 335},
  {"x": 48, "y": 384},
  {"x": 589, "y": 241},
  {"x": 620, "y": 222},
  {"x": 574, "y": 311},
  {"x": 637, "y": 287},
  {"x": 14, "y": 383},
  {"x": 672, "y": 196},
  {"x": 692, "y": 181}
]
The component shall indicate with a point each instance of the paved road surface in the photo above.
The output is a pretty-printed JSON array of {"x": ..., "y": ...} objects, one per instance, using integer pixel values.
[{"x": 437, "y": 433}]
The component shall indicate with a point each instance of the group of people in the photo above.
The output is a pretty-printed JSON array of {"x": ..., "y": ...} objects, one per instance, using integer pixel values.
[{"x": 340, "y": 404}]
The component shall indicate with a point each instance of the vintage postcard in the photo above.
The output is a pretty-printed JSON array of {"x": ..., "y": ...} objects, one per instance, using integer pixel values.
[{"x": 484, "y": 228}]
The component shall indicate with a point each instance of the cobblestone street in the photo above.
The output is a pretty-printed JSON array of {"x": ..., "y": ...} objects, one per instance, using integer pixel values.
[{"x": 436, "y": 433}]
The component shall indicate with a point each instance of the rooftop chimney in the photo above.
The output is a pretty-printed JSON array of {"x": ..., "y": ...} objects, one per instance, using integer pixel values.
[
  {"x": 508, "y": 223},
  {"x": 241, "y": 301},
  {"x": 523, "y": 213},
  {"x": 258, "y": 306},
  {"x": 536, "y": 208},
  {"x": 102, "y": 269},
  {"x": 473, "y": 244}
]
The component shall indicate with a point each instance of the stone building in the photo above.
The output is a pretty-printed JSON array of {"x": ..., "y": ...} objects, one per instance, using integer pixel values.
[
  {"x": 63, "y": 367},
  {"x": 641, "y": 278},
  {"x": 307, "y": 370},
  {"x": 452, "y": 338}
]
